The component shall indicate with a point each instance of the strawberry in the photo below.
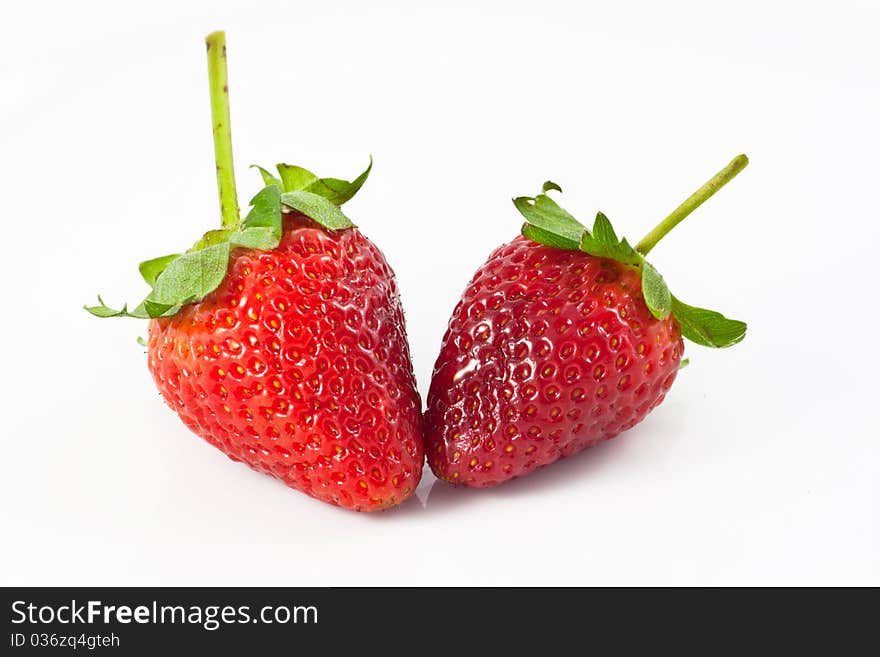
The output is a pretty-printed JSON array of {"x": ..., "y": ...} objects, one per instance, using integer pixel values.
[
  {"x": 280, "y": 338},
  {"x": 563, "y": 338}
]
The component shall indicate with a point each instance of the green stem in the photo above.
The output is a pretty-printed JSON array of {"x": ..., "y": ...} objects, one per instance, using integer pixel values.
[
  {"x": 218, "y": 82},
  {"x": 694, "y": 201}
]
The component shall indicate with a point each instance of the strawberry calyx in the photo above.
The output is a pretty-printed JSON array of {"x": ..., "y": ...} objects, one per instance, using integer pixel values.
[
  {"x": 548, "y": 223},
  {"x": 181, "y": 278}
]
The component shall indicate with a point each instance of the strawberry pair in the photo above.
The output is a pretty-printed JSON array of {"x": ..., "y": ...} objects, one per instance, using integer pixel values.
[{"x": 279, "y": 338}]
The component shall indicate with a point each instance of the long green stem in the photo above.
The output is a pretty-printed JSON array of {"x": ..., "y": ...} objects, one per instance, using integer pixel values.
[
  {"x": 694, "y": 201},
  {"x": 218, "y": 81}
]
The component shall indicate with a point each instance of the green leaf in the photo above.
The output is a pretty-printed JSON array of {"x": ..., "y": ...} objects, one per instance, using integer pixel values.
[
  {"x": 255, "y": 238},
  {"x": 684, "y": 363},
  {"x": 542, "y": 236},
  {"x": 189, "y": 278},
  {"x": 268, "y": 177},
  {"x": 542, "y": 212},
  {"x": 102, "y": 310},
  {"x": 153, "y": 309},
  {"x": 295, "y": 178},
  {"x": 339, "y": 191},
  {"x": 547, "y": 207},
  {"x": 603, "y": 232},
  {"x": 707, "y": 327},
  {"x": 656, "y": 294},
  {"x": 212, "y": 238},
  {"x": 140, "y": 311},
  {"x": 602, "y": 242},
  {"x": 262, "y": 227},
  {"x": 180, "y": 279},
  {"x": 141, "y": 341},
  {"x": 547, "y": 223},
  {"x": 150, "y": 269},
  {"x": 265, "y": 209},
  {"x": 318, "y": 208}
]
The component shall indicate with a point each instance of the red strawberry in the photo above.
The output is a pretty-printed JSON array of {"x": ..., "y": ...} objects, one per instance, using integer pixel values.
[
  {"x": 564, "y": 337},
  {"x": 280, "y": 338},
  {"x": 298, "y": 365}
]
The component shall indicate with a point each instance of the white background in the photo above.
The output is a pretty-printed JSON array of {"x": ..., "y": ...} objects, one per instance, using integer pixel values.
[{"x": 760, "y": 468}]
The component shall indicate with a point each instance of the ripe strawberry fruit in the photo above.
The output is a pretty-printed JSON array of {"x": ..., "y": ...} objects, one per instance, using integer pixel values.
[
  {"x": 564, "y": 337},
  {"x": 280, "y": 338}
]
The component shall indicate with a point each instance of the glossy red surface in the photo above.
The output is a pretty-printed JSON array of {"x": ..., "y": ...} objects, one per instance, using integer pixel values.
[
  {"x": 548, "y": 352},
  {"x": 298, "y": 365}
]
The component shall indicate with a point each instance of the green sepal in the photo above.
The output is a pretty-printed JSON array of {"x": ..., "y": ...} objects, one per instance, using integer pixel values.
[
  {"x": 189, "y": 278},
  {"x": 294, "y": 178},
  {"x": 544, "y": 213},
  {"x": 179, "y": 279},
  {"x": 268, "y": 177},
  {"x": 154, "y": 309},
  {"x": 548, "y": 223},
  {"x": 542, "y": 236},
  {"x": 146, "y": 309},
  {"x": 103, "y": 310},
  {"x": 255, "y": 238},
  {"x": 317, "y": 198},
  {"x": 262, "y": 227},
  {"x": 602, "y": 242},
  {"x": 656, "y": 293},
  {"x": 318, "y": 208},
  {"x": 707, "y": 327},
  {"x": 212, "y": 238},
  {"x": 150, "y": 269},
  {"x": 340, "y": 191}
]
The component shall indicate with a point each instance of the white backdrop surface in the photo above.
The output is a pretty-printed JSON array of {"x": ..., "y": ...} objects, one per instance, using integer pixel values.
[{"x": 760, "y": 468}]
